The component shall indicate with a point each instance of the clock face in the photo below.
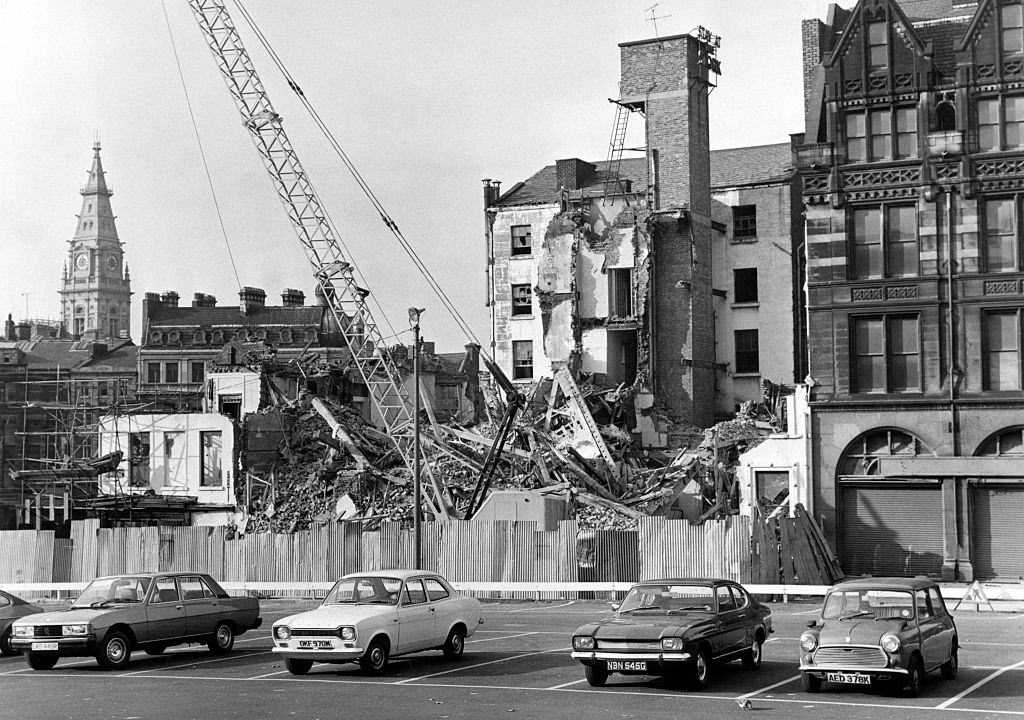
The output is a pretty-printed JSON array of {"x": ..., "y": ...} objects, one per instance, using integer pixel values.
[
  {"x": 112, "y": 263},
  {"x": 81, "y": 262}
]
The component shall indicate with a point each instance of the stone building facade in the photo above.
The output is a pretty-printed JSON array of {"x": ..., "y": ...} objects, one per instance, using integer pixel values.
[{"x": 912, "y": 162}]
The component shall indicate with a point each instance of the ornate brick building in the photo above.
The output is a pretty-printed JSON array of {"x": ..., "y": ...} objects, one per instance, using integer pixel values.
[{"x": 913, "y": 166}]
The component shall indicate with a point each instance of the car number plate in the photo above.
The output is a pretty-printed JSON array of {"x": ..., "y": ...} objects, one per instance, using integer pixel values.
[
  {"x": 39, "y": 646},
  {"x": 849, "y": 678},
  {"x": 315, "y": 645},
  {"x": 628, "y": 665}
]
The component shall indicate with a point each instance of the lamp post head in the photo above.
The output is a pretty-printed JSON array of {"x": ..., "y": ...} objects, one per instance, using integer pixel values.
[{"x": 414, "y": 316}]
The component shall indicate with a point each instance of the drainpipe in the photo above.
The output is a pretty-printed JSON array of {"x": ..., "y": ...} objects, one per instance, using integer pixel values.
[{"x": 950, "y": 318}]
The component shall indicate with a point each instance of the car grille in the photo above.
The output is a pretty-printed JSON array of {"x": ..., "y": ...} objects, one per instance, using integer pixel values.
[
  {"x": 314, "y": 632},
  {"x": 627, "y": 645},
  {"x": 47, "y": 631},
  {"x": 865, "y": 657}
]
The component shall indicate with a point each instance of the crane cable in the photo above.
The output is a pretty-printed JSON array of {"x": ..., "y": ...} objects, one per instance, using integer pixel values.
[{"x": 388, "y": 221}]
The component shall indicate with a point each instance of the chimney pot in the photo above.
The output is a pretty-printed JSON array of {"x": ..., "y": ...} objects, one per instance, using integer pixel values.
[
  {"x": 169, "y": 299},
  {"x": 251, "y": 298},
  {"x": 290, "y": 297},
  {"x": 24, "y": 331}
]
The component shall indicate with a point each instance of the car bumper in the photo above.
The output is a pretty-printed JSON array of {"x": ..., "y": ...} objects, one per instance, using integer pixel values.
[
  {"x": 340, "y": 655},
  {"x": 853, "y": 670},
  {"x": 587, "y": 657},
  {"x": 66, "y": 647}
]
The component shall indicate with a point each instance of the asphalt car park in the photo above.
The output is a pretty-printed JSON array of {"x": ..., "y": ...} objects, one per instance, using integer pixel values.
[{"x": 517, "y": 665}]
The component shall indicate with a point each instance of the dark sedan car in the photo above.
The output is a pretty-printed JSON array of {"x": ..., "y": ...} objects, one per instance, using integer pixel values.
[
  {"x": 889, "y": 631},
  {"x": 675, "y": 628},
  {"x": 12, "y": 608},
  {"x": 148, "y": 611}
]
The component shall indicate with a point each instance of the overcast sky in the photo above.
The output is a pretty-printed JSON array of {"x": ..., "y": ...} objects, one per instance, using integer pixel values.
[{"x": 427, "y": 98}]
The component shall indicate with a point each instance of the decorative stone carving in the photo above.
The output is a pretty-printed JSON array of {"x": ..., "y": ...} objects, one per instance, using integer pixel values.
[
  {"x": 882, "y": 176},
  {"x": 901, "y": 292},
  {"x": 867, "y": 294},
  {"x": 1001, "y": 287}
]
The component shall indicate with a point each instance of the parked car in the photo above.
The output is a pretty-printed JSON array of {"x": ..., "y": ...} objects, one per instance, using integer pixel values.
[
  {"x": 149, "y": 611},
  {"x": 371, "y": 616},
  {"x": 12, "y": 608},
  {"x": 887, "y": 631},
  {"x": 675, "y": 628}
]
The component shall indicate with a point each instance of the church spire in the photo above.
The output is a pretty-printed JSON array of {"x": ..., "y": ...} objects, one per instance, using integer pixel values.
[{"x": 97, "y": 183}]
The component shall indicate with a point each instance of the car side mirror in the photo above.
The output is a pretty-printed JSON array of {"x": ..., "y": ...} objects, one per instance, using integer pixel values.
[
  {"x": 615, "y": 606},
  {"x": 812, "y": 624}
]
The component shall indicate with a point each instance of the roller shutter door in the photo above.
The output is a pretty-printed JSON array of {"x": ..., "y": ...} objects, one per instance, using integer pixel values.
[
  {"x": 889, "y": 530},
  {"x": 998, "y": 517}
]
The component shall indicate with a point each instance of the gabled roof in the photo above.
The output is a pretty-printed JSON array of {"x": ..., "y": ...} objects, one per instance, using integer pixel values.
[
  {"x": 853, "y": 26},
  {"x": 918, "y": 10},
  {"x": 52, "y": 354},
  {"x": 734, "y": 167},
  {"x": 975, "y": 24}
]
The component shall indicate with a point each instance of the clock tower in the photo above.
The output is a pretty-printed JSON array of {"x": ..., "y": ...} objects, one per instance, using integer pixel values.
[{"x": 96, "y": 289}]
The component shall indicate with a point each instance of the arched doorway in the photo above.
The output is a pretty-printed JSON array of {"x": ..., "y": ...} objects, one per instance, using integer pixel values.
[
  {"x": 888, "y": 526},
  {"x": 997, "y": 512}
]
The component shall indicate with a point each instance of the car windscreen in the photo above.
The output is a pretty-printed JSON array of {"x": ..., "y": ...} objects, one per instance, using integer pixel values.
[
  {"x": 113, "y": 590},
  {"x": 364, "y": 591},
  {"x": 666, "y": 598},
  {"x": 874, "y": 604}
]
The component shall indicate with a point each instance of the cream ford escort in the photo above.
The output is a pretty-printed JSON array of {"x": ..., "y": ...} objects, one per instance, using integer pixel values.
[{"x": 368, "y": 617}]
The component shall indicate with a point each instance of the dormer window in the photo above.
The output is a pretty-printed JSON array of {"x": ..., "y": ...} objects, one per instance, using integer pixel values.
[
  {"x": 1012, "y": 30},
  {"x": 878, "y": 45}
]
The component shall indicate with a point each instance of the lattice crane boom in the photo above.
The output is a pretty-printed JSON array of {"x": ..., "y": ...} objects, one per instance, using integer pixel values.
[{"x": 332, "y": 271}]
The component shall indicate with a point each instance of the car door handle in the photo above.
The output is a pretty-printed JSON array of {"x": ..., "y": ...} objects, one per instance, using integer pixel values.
[{"x": 178, "y": 607}]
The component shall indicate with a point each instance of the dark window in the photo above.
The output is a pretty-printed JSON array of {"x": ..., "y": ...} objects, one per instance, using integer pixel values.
[
  {"x": 449, "y": 400},
  {"x": 210, "y": 470},
  {"x": 171, "y": 372},
  {"x": 198, "y": 371},
  {"x": 1008, "y": 443},
  {"x": 945, "y": 116},
  {"x": 862, "y": 456},
  {"x": 153, "y": 372},
  {"x": 747, "y": 354},
  {"x": 744, "y": 221},
  {"x": 522, "y": 300},
  {"x": 138, "y": 459},
  {"x": 1001, "y": 244},
  {"x": 745, "y": 285},
  {"x": 887, "y": 354},
  {"x": 771, "y": 488},
  {"x": 522, "y": 242},
  {"x": 522, "y": 359},
  {"x": 870, "y": 136},
  {"x": 856, "y": 138},
  {"x": 885, "y": 249},
  {"x": 1012, "y": 35},
  {"x": 881, "y": 134},
  {"x": 102, "y": 389},
  {"x": 1003, "y": 350},
  {"x": 1001, "y": 123},
  {"x": 906, "y": 132},
  {"x": 620, "y": 292},
  {"x": 878, "y": 45},
  {"x": 165, "y": 591}
]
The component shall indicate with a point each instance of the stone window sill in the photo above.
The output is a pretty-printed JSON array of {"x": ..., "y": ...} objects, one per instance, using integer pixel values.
[
  {"x": 522, "y": 317},
  {"x": 754, "y": 304},
  {"x": 747, "y": 374}
]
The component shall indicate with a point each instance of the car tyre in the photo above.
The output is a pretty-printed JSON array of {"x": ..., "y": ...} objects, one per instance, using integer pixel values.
[
  {"x": 700, "y": 670},
  {"x": 296, "y": 666},
  {"x": 950, "y": 667},
  {"x": 596, "y": 674},
  {"x": 375, "y": 660},
  {"x": 114, "y": 652},
  {"x": 810, "y": 683},
  {"x": 222, "y": 640},
  {"x": 751, "y": 657},
  {"x": 155, "y": 649},
  {"x": 454, "y": 645},
  {"x": 5, "y": 644},
  {"x": 915, "y": 676},
  {"x": 41, "y": 662}
]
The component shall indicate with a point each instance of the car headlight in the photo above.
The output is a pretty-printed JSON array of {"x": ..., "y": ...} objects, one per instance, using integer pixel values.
[
  {"x": 23, "y": 631},
  {"x": 77, "y": 629},
  {"x": 809, "y": 641},
  {"x": 347, "y": 633},
  {"x": 583, "y": 642},
  {"x": 282, "y": 632},
  {"x": 890, "y": 643},
  {"x": 672, "y": 643}
]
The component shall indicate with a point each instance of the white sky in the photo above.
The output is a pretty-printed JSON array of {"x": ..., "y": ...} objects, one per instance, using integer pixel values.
[{"x": 427, "y": 98}]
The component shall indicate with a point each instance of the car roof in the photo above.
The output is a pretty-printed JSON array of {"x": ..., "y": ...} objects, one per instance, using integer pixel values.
[
  {"x": 397, "y": 574},
  {"x": 710, "y": 582},
  {"x": 154, "y": 575},
  {"x": 886, "y": 583}
]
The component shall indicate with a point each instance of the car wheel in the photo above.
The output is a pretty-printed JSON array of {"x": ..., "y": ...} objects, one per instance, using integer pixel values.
[
  {"x": 950, "y": 667},
  {"x": 5, "y": 644},
  {"x": 41, "y": 662},
  {"x": 915, "y": 676},
  {"x": 751, "y": 657},
  {"x": 596, "y": 674},
  {"x": 156, "y": 649},
  {"x": 454, "y": 645},
  {"x": 296, "y": 666},
  {"x": 810, "y": 683},
  {"x": 114, "y": 652},
  {"x": 375, "y": 661},
  {"x": 223, "y": 639},
  {"x": 700, "y": 670}
]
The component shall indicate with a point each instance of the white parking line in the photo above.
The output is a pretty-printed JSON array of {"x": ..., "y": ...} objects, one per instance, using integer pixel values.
[
  {"x": 532, "y": 609},
  {"x": 219, "y": 658},
  {"x": 489, "y": 662},
  {"x": 975, "y": 686},
  {"x": 568, "y": 684},
  {"x": 503, "y": 637},
  {"x": 787, "y": 681}
]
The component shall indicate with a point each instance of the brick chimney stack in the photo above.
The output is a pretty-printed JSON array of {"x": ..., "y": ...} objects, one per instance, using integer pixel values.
[
  {"x": 203, "y": 300},
  {"x": 290, "y": 297},
  {"x": 169, "y": 299},
  {"x": 251, "y": 298},
  {"x": 10, "y": 333}
]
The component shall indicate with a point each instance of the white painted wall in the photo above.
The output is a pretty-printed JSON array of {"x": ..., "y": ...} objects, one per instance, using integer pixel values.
[{"x": 237, "y": 382}]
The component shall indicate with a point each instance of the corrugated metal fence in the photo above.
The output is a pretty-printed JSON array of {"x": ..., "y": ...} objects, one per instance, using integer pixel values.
[{"x": 504, "y": 551}]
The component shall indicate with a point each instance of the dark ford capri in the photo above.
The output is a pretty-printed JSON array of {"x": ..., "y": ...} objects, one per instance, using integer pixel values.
[
  {"x": 147, "y": 611},
  {"x": 12, "y": 608},
  {"x": 675, "y": 628}
]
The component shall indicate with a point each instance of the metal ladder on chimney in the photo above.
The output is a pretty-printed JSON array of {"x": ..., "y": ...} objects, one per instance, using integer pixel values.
[{"x": 615, "y": 148}]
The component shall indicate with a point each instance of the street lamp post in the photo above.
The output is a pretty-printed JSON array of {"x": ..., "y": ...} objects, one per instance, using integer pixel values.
[{"x": 414, "y": 320}]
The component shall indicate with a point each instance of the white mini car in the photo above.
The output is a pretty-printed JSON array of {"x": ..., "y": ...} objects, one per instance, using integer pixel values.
[{"x": 370, "y": 616}]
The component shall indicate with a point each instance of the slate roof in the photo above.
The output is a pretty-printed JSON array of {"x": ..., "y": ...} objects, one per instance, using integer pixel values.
[
  {"x": 123, "y": 357},
  {"x": 65, "y": 354},
  {"x": 944, "y": 38},
  {"x": 231, "y": 316},
  {"x": 760, "y": 164},
  {"x": 917, "y": 10}
]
